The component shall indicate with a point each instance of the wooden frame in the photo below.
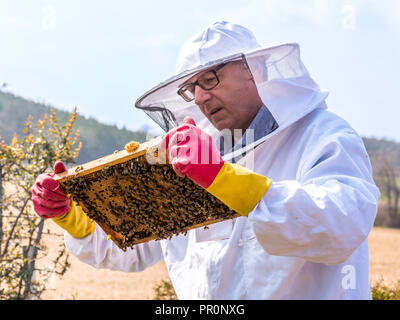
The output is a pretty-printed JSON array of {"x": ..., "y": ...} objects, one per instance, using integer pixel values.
[{"x": 136, "y": 197}]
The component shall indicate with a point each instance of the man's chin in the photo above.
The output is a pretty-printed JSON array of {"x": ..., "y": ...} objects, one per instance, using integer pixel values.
[
  {"x": 222, "y": 124},
  {"x": 219, "y": 125},
  {"x": 222, "y": 127}
]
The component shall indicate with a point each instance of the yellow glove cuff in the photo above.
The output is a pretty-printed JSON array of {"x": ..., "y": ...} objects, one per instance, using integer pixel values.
[
  {"x": 239, "y": 188},
  {"x": 76, "y": 222}
]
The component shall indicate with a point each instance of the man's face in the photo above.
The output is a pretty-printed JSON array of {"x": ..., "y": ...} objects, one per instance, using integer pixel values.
[{"x": 234, "y": 102}]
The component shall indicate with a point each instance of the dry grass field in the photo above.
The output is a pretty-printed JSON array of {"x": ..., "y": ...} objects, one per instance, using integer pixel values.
[
  {"x": 82, "y": 281},
  {"x": 384, "y": 244}
]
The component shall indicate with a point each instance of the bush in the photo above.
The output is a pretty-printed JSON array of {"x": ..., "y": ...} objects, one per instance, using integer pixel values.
[
  {"x": 380, "y": 291},
  {"x": 21, "y": 230},
  {"x": 165, "y": 291}
]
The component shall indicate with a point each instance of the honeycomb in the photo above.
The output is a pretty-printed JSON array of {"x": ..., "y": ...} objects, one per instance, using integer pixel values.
[
  {"x": 132, "y": 146},
  {"x": 136, "y": 198}
]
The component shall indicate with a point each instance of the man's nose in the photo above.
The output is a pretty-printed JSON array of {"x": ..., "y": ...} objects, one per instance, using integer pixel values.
[{"x": 201, "y": 95}]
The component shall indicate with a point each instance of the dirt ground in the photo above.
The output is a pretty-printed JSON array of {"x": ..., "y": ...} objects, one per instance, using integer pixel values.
[
  {"x": 82, "y": 281},
  {"x": 384, "y": 244}
]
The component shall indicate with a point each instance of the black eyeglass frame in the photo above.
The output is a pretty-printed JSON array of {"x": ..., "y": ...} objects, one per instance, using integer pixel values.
[{"x": 182, "y": 90}]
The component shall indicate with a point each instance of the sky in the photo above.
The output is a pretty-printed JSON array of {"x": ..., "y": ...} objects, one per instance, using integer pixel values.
[{"x": 101, "y": 56}]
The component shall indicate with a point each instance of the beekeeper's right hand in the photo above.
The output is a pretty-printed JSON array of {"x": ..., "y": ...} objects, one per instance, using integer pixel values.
[{"x": 51, "y": 201}]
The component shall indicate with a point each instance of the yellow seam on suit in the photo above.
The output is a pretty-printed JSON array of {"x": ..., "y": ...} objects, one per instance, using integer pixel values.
[
  {"x": 239, "y": 188},
  {"x": 76, "y": 222}
]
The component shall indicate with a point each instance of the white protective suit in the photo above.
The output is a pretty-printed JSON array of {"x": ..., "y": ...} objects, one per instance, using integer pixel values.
[{"x": 307, "y": 237}]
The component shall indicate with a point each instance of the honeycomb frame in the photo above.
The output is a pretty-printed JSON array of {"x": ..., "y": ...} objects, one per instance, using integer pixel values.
[{"x": 136, "y": 197}]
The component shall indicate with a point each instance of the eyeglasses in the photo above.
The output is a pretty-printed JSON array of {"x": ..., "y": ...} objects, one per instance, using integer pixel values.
[{"x": 207, "y": 81}]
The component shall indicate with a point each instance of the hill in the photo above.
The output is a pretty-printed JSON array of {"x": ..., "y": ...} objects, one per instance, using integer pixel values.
[
  {"x": 375, "y": 146},
  {"x": 98, "y": 139}
]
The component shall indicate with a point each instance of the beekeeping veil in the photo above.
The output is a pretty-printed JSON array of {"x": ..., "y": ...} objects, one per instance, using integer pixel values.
[{"x": 282, "y": 81}]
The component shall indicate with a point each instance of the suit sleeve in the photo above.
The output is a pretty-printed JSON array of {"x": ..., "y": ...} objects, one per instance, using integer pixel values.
[
  {"x": 101, "y": 253},
  {"x": 328, "y": 211}
]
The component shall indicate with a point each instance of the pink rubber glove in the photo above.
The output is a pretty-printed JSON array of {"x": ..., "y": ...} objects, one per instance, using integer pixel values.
[
  {"x": 193, "y": 153},
  {"x": 49, "y": 199}
]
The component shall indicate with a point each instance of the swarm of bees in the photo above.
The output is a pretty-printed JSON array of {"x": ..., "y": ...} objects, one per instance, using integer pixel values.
[{"x": 136, "y": 201}]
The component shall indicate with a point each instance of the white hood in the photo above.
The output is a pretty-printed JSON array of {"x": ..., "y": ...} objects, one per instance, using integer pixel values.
[{"x": 282, "y": 81}]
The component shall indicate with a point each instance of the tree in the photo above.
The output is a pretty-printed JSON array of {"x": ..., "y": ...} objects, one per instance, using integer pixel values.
[
  {"x": 387, "y": 178},
  {"x": 21, "y": 230}
]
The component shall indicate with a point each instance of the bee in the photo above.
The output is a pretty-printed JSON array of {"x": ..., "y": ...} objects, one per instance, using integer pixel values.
[{"x": 141, "y": 200}]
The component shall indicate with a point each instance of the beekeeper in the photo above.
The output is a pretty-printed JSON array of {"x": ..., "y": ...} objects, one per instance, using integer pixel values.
[{"x": 298, "y": 174}]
